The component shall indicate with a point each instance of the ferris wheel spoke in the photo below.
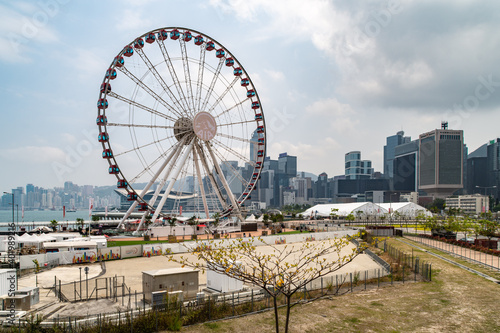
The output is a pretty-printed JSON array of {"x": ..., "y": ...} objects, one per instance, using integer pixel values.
[
  {"x": 139, "y": 105},
  {"x": 139, "y": 126},
  {"x": 232, "y": 151},
  {"x": 231, "y": 108},
  {"x": 200, "y": 183},
  {"x": 221, "y": 97},
  {"x": 173, "y": 75},
  {"x": 233, "y": 137},
  {"x": 212, "y": 84},
  {"x": 201, "y": 71},
  {"x": 147, "y": 89},
  {"x": 223, "y": 180},
  {"x": 143, "y": 146},
  {"x": 237, "y": 123},
  {"x": 187, "y": 75},
  {"x": 235, "y": 172},
  {"x": 149, "y": 167},
  {"x": 173, "y": 180},
  {"x": 160, "y": 80},
  {"x": 211, "y": 177}
]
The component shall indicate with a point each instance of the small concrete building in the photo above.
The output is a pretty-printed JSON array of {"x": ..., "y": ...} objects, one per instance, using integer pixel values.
[{"x": 170, "y": 279}]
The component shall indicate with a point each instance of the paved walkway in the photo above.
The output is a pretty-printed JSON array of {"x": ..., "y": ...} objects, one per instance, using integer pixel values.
[{"x": 478, "y": 257}]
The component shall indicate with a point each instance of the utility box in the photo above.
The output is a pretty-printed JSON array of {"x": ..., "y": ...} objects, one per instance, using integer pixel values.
[
  {"x": 20, "y": 302},
  {"x": 222, "y": 283},
  {"x": 32, "y": 292},
  {"x": 184, "y": 280}
]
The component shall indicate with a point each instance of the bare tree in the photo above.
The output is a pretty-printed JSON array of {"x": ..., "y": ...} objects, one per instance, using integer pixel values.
[{"x": 287, "y": 270}]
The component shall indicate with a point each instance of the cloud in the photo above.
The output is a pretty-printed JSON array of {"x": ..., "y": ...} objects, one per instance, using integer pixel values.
[
  {"x": 22, "y": 29},
  {"x": 340, "y": 117},
  {"x": 33, "y": 154}
]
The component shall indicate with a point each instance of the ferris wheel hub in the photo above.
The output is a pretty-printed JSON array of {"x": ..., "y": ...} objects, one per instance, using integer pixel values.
[
  {"x": 204, "y": 126},
  {"x": 183, "y": 127}
]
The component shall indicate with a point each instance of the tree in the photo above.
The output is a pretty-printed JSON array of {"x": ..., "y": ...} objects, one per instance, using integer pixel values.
[
  {"x": 333, "y": 213},
  {"x": 465, "y": 225},
  {"x": 53, "y": 224},
  {"x": 487, "y": 228},
  {"x": 350, "y": 217},
  {"x": 95, "y": 218},
  {"x": 172, "y": 223},
  {"x": 288, "y": 269},
  {"x": 431, "y": 223},
  {"x": 265, "y": 219},
  {"x": 418, "y": 218},
  {"x": 80, "y": 223},
  {"x": 192, "y": 222}
]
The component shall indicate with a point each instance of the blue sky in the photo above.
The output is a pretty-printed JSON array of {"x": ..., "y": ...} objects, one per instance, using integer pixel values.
[{"x": 333, "y": 76}]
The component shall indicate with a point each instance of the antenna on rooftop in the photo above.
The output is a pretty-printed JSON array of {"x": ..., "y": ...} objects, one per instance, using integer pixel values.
[{"x": 444, "y": 125}]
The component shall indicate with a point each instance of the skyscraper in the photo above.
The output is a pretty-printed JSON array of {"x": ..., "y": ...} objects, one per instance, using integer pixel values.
[
  {"x": 441, "y": 161},
  {"x": 355, "y": 168},
  {"x": 254, "y": 146},
  {"x": 389, "y": 151},
  {"x": 405, "y": 167}
]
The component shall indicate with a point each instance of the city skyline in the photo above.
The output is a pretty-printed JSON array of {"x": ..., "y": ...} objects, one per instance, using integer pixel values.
[{"x": 342, "y": 78}]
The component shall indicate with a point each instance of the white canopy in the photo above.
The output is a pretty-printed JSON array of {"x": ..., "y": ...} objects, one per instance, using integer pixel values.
[
  {"x": 251, "y": 218},
  {"x": 405, "y": 209},
  {"x": 344, "y": 209}
]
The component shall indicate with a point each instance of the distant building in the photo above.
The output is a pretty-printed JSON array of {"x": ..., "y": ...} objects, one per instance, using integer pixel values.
[
  {"x": 440, "y": 161},
  {"x": 477, "y": 171},
  {"x": 405, "y": 167},
  {"x": 469, "y": 204},
  {"x": 493, "y": 168},
  {"x": 355, "y": 168},
  {"x": 389, "y": 151}
]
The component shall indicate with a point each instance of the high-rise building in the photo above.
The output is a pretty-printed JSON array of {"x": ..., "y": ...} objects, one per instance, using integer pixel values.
[
  {"x": 254, "y": 146},
  {"x": 493, "y": 168},
  {"x": 389, "y": 151},
  {"x": 440, "y": 161},
  {"x": 477, "y": 174},
  {"x": 355, "y": 168},
  {"x": 405, "y": 167}
]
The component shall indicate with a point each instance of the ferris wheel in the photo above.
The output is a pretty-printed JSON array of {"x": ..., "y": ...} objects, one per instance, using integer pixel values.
[{"x": 181, "y": 126}]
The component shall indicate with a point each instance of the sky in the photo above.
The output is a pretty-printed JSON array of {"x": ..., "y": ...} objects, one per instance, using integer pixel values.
[{"x": 332, "y": 76}]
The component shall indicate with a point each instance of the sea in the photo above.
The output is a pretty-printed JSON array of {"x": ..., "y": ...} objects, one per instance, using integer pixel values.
[{"x": 32, "y": 216}]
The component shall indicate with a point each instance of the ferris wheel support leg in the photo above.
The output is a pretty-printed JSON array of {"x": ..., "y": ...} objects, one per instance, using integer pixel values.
[
  {"x": 236, "y": 208},
  {"x": 145, "y": 190},
  {"x": 200, "y": 183},
  {"x": 211, "y": 177},
  {"x": 172, "y": 182},
  {"x": 174, "y": 155}
]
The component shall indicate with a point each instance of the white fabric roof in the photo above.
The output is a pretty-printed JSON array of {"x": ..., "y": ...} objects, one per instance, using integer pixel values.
[
  {"x": 251, "y": 218},
  {"x": 407, "y": 209},
  {"x": 344, "y": 209}
]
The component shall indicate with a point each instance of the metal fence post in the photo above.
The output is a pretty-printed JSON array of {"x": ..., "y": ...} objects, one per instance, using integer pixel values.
[{"x": 350, "y": 278}]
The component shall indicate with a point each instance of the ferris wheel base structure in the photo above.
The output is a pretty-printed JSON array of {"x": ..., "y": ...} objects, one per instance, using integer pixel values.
[{"x": 179, "y": 116}]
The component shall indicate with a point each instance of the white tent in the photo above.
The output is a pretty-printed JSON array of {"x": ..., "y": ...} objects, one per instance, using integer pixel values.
[
  {"x": 251, "y": 218},
  {"x": 405, "y": 209},
  {"x": 363, "y": 209}
]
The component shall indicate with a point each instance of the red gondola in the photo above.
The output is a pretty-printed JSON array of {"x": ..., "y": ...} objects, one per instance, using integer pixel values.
[
  {"x": 162, "y": 35},
  {"x": 198, "y": 40},
  {"x": 102, "y": 104},
  {"x": 139, "y": 43},
  {"x": 260, "y": 153},
  {"x": 187, "y": 36},
  {"x": 122, "y": 183},
  {"x": 229, "y": 62},
  {"x": 150, "y": 38},
  {"x": 261, "y": 141},
  {"x": 103, "y": 137},
  {"x": 237, "y": 71},
  {"x": 105, "y": 88},
  {"x": 107, "y": 154},
  {"x": 101, "y": 120},
  {"x": 220, "y": 53},
  {"x": 258, "y": 165},
  {"x": 255, "y": 105},
  {"x": 113, "y": 169},
  {"x": 118, "y": 61},
  {"x": 128, "y": 51},
  {"x": 175, "y": 34},
  {"x": 258, "y": 116},
  {"x": 210, "y": 46},
  {"x": 260, "y": 129},
  {"x": 245, "y": 82},
  {"x": 143, "y": 207},
  {"x": 131, "y": 196},
  {"x": 111, "y": 74},
  {"x": 251, "y": 93},
  {"x": 255, "y": 175}
]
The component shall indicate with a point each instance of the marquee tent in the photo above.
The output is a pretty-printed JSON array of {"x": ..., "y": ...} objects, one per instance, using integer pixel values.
[
  {"x": 344, "y": 209},
  {"x": 405, "y": 209}
]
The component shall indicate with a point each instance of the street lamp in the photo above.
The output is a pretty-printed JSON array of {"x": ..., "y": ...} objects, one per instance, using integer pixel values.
[{"x": 486, "y": 187}]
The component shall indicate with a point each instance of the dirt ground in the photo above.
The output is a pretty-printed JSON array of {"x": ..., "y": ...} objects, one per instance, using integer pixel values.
[{"x": 455, "y": 301}]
